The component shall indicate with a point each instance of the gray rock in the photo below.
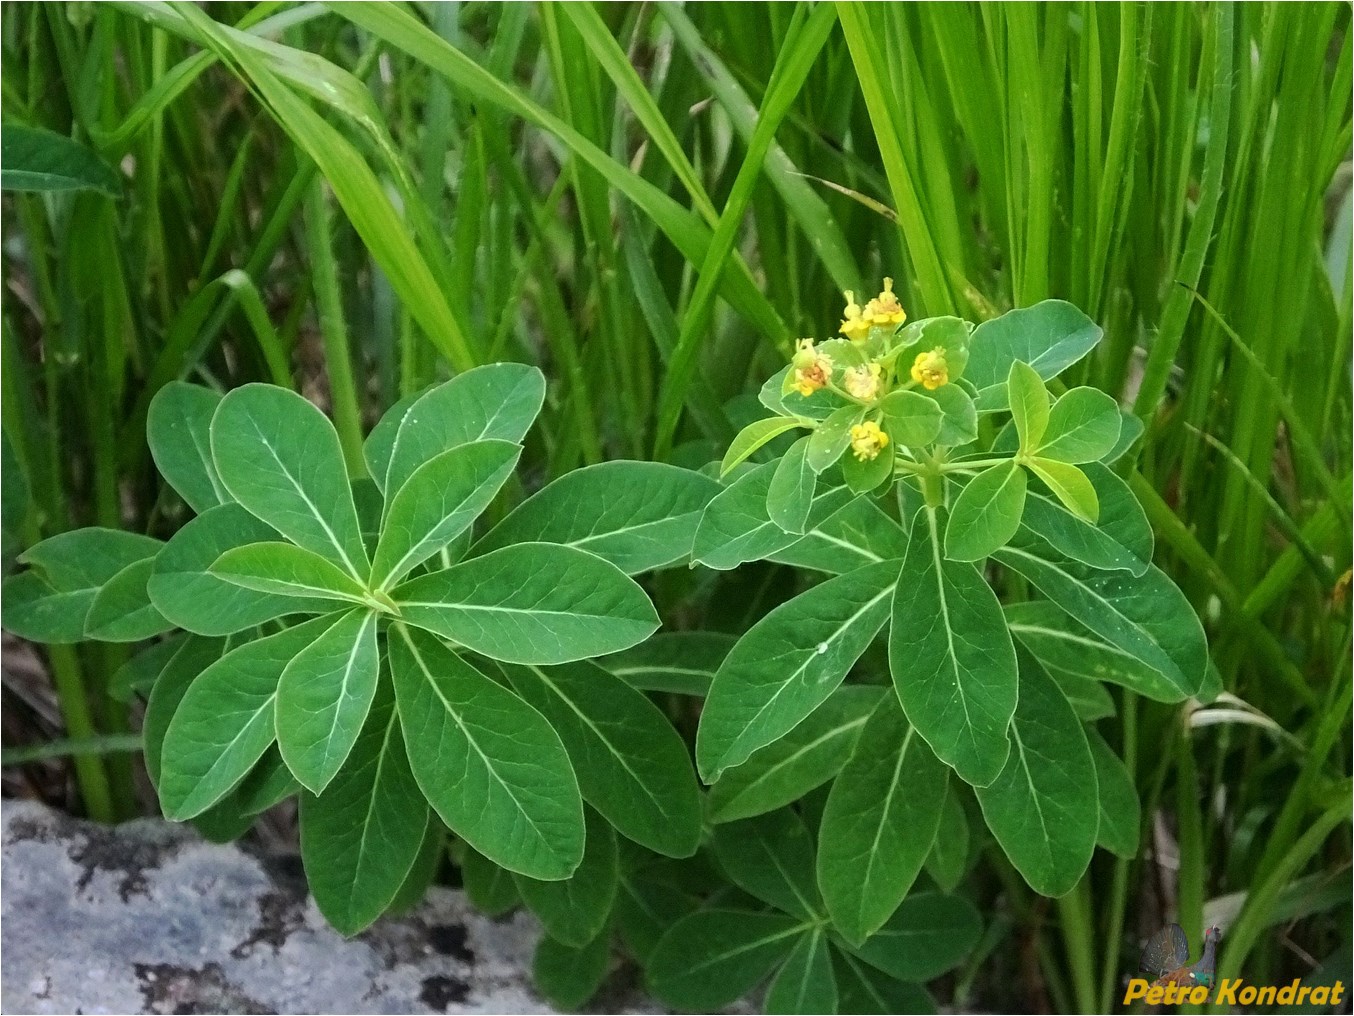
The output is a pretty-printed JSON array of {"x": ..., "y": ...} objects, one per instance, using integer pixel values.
[{"x": 147, "y": 917}]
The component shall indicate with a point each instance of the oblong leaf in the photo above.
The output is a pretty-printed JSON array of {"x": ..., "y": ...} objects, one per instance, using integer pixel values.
[
  {"x": 637, "y": 515},
  {"x": 790, "y": 494},
  {"x": 531, "y": 603},
  {"x": 323, "y": 697},
  {"x": 1043, "y": 808},
  {"x": 855, "y": 535},
  {"x": 832, "y": 436},
  {"x": 951, "y": 657},
  {"x": 1050, "y": 337},
  {"x": 360, "y": 838},
  {"x": 225, "y": 722},
  {"x": 1071, "y": 486},
  {"x": 284, "y": 569},
  {"x": 178, "y": 430},
  {"x": 1083, "y": 426},
  {"x": 913, "y": 419},
  {"x": 574, "y": 910},
  {"x": 437, "y": 503},
  {"x": 805, "y": 982},
  {"x": 630, "y": 762},
  {"x": 279, "y": 456},
  {"x": 788, "y": 663},
  {"x": 488, "y": 763},
  {"x": 1120, "y": 539},
  {"x": 1119, "y": 814},
  {"x": 927, "y": 935},
  {"x": 771, "y": 857},
  {"x": 1029, "y": 405},
  {"x": 752, "y": 437},
  {"x": 986, "y": 513},
  {"x": 680, "y": 662},
  {"x": 879, "y": 823},
  {"x": 184, "y": 590},
  {"x": 122, "y": 611},
  {"x": 711, "y": 958}
]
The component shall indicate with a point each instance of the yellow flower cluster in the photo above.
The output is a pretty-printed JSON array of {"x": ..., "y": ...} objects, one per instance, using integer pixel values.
[
  {"x": 867, "y": 440},
  {"x": 813, "y": 370},
  {"x": 930, "y": 369},
  {"x": 863, "y": 382},
  {"x": 883, "y": 311}
]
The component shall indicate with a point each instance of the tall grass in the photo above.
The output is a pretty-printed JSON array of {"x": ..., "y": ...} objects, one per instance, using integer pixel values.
[{"x": 652, "y": 201}]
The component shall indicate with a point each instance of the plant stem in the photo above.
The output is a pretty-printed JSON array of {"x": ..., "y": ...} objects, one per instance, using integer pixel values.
[{"x": 1078, "y": 937}]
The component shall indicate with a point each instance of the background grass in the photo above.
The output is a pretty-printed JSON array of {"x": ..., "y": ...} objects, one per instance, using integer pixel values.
[{"x": 652, "y": 202}]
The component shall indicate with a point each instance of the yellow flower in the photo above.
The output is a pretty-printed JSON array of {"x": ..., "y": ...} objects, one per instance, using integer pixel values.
[
  {"x": 863, "y": 382},
  {"x": 931, "y": 369},
  {"x": 813, "y": 369},
  {"x": 885, "y": 309},
  {"x": 855, "y": 326},
  {"x": 867, "y": 440}
]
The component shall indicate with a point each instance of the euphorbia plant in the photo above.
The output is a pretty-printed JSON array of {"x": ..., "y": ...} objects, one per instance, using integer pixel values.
[{"x": 359, "y": 643}]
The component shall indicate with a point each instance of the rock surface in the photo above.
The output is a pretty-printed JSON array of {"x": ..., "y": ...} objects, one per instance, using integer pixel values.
[{"x": 149, "y": 918}]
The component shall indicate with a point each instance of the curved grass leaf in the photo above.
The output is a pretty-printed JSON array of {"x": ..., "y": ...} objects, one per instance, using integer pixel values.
[
  {"x": 1147, "y": 617},
  {"x": 185, "y": 591},
  {"x": 805, "y": 982},
  {"x": 498, "y": 401},
  {"x": 361, "y": 837},
  {"x": 1043, "y": 808},
  {"x": 788, "y": 663},
  {"x": 771, "y": 857},
  {"x": 986, "y": 513},
  {"x": 178, "y": 430},
  {"x": 531, "y": 603},
  {"x": 1050, "y": 337},
  {"x": 637, "y": 515},
  {"x": 439, "y": 501},
  {"x": 630, "y": 762},
  {"x": 879, "y": 823},
  {"x": 711, "y": 958},
  {"x": 808, "y": 756},
  {"x": 36, "y": 159},
  {"x": 225, "y": 722},
  {"x": 951, "y": 657},
  {"x": 488, "y": 763},
  {"x": 323, "y": 698},
  {"x": 280, "y": 457},
  {"x": 575, "y": 910}
]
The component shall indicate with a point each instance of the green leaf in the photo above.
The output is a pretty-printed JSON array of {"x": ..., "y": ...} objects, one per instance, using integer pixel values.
[
  {"x": 1148, "y": 618},
  {"x": 631, "y": 764},
  {"x": 570, "y": 975},
  {"x": 498, "y": 401},
  {"x": 863, "y": 989},
  {"x": 489, "y": 764},
  {"x": 1087, "y": 697},
  {"x": 283, "y": 569},
  {"x": 191, "y": 657},
  {"x": 637, "y": 515},
  {"x": 423, "y": 872},
  {"x": 805, "y": 982},
  {"x": 1083, "y": 426},
  {"x": 178, "y": 430},
  {"x": 489, "y": 886},
  {"x": 1120, "y": 813},
  {"x": 855, "y": 535},
  {"x": 185, "y": 591},
  {"x": 122, "y": 611},
  {"x": 439, "y": 501},
  {"x": 1070, "y": 485},
  {"x": 950, "y": 334},
  {"x": 279, "y": 456},
  {"x": 927, "y": 935},
  {"x": 913, "y": 418},
  {"x": 756, "y": 434},
  {"x": 1068, "y": 650},
  {"x": 959, "y": 416},
  {"x": 951, "y": 657},
  {"x": 986, "y": 513},
  {"x": 1121, "y": 538},
  {"x": 574, "y": 910},
  {"x": 1029, "y": 406},
  {"x": 323, "y": 698},
  {"x": 677, "y": 662},
  {"x": 1050, "y": 337},
  {"x": 380, "y": 442},
  {"x": 531, "y": 603},
  {"x": 137, "y": 676},
  {"x": 832, "y": 437},
  {"x": 225, "y": 722},
  {"x": 361, "y": 837},
  {"x": 947, "y": 863},
  {"x": 36, "y": 159},
  {"x": 50, "y": 602},
  {"x": 790, "y": 494},
  {"x": 710, "y": 959},
  {"x": 771, "y": 857},
  {"x": 268, "y": 783},
  {"x": 1043, "y": 808},
  {"x": 807, "y": 757},
  {"x": 788, "y": 663},
  {"x": 1130, "y": 429},
  {"x": 879, "y": 823}
]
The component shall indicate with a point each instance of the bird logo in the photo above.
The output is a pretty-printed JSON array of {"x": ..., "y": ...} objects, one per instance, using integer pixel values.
[{"x": 1166, "y": 957}]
